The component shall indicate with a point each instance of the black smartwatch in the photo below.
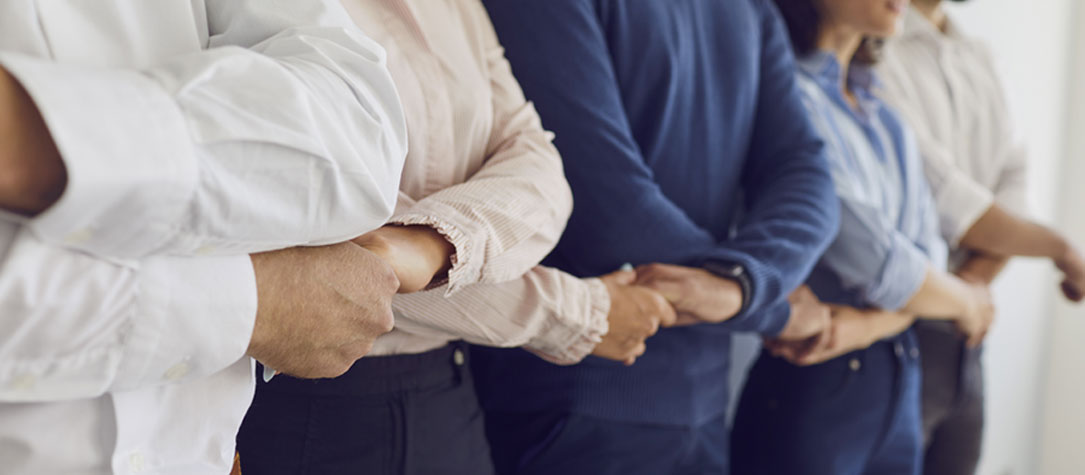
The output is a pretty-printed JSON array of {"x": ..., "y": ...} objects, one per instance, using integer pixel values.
[{"x": 736, "y": 273}]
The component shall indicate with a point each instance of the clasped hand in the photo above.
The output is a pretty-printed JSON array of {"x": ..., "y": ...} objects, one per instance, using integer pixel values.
[
  {"x": 321, "y": 309},
  {"x": 661, "y": 295}
]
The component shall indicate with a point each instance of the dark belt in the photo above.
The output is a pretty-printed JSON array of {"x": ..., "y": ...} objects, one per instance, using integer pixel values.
[{"x": 380, "y": 374}]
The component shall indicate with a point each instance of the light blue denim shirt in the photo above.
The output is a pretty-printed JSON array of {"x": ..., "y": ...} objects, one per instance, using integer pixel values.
[{"x": 889, "y": 234}]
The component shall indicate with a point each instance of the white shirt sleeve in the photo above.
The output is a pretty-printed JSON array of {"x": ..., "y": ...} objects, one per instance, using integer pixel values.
[
  {"x": 75, "y": 326},
  {"x": 286, "y": 131}
]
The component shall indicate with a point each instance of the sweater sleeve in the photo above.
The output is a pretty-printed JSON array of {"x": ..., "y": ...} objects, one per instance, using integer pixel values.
[
  {"x": 792, "y": 211},
  {"x": 553, "y": 45}
]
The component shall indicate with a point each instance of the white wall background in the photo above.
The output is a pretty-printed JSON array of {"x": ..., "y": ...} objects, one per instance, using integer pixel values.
[
  {"x": 1033, "y": 44},
  {"x": 1063, "y": 425},
  {"x": 1035, "y": 363}
]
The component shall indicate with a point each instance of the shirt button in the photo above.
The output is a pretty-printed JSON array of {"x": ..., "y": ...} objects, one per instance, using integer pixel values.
[
  {"x": 899, "y": 350},
  {"x": 855, "y": 364},
  {"x": 79, "y": 237},
  {"x": 136, "y": 462},
  {"x": 176, "y": 372},
  {"x": 915, "y": 353},
  {"x": 24, "y": 382},
  {"x": 458, "y": 358}
]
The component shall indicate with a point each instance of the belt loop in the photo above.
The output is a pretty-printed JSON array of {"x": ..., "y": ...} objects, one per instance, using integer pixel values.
[{"x": 459, "y": 360}]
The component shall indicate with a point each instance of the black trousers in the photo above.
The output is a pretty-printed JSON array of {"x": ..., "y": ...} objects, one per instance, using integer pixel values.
[
  {"x": 394, "y": 415},
  {"x": 953, "y": 401}
]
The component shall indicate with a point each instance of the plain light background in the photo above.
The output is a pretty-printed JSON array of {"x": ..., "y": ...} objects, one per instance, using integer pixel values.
[{"x": 1035, "y": 356}]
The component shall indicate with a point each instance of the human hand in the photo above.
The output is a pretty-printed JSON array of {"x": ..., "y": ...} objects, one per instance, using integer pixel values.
[
  {"x": 1072, "y": 266},
  {"x": 320, "y": 308},
  {"x": 698, "y": 296},
  {"x": 32, "y": 174},
  {"x": 980, "y": 315},
  {"x": 417, "y": 254},
  {"x": 809, "y": 317},
  {"x": 636, "y": 313},
  {"x": 851, "y": 330}
]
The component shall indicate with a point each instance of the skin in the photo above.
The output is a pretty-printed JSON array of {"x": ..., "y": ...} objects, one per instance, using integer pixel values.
[
  {"x": 941, "y": 296},
  {"x": 34, "y": 176},
  {"x": 417, "y": 254},
  {"x": 636, "y": 313},
  {"x": 317, "y": 313}
]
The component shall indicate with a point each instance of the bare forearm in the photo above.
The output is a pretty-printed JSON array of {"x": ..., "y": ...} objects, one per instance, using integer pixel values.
[
  {"x": 417, "y": 254},
  {"x": 1001, "y": 233},
  {"x": 942, "y": 297},
  {"x": 982, "y": 268},
  {"x": 881, "y": 324},
  {"x": 32, "y": 175}
]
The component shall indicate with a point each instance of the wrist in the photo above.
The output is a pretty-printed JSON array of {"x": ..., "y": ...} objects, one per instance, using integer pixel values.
[
  {"x": 738, "y": 276},
  {"x": 433, "y": 245},
  {"x": 34, "y": 176}
]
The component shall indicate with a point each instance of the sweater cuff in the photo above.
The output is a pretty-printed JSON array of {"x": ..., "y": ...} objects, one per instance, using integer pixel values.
[{"x": 566, "y": 341}]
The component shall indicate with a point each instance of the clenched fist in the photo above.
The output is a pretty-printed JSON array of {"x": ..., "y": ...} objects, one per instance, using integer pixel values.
[
  {"x": 320, "y": 309},
  {"x": 636, "y": 313}
]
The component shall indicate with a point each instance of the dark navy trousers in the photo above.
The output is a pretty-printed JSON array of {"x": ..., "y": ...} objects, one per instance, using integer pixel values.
[
  {"x": 390, "y": 415},
  {"x": 855, "y": 415},
  {"x": 953, "y": 401},
  {"x": 560, "y": 443}
]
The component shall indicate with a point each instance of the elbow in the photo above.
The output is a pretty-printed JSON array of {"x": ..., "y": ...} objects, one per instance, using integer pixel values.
[{"x": 563, "y": 201}]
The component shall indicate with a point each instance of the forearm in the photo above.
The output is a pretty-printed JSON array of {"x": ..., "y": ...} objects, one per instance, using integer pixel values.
[
  {"x": 982, "y": 268},
  {"x": 942, "y": 296},
  {"x": 32, "y": 175},
  {"x": 877, "y": 325},
  {"x": 551, "y": 313},
  {"x": 1002, "y": 233}
]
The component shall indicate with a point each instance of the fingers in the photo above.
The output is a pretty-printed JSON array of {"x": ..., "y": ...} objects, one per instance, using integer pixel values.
[
  {"x": 638, "y": 351},
  {"x": 665, "y": 312},
  {"x": 687, "y": 319},
  {"x": 621, "y": 277},
  {"x": 1073, "y": 291}
]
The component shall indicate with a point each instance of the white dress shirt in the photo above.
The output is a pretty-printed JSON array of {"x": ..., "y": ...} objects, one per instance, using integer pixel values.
[
  {"x": 946, "y": 87},
  {"x": 194, "y": 132}
]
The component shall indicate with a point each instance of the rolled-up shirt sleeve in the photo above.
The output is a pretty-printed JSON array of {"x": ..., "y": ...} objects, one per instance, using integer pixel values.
[
  {"x": 1012, "y": 188},
  {"x": 555, "y": 315},
  {"x": 286, "y": 131},
  {"x": 872, "y": 258},
  {"x": 511, "y": 213},
  {"x": 75, "y": 326},
  {"x": 960, "y": 200}
]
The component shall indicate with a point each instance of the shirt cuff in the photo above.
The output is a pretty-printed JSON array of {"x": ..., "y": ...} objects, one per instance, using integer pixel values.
[
  {"x": 466, "y": 267},
  {"x": 961, "y": 203},
  {"x": 565, "y": 341},
  {"x": 194, "y": 317},
  {"x": 124, "y": 142},
  {"x": 902, "y": 276}
]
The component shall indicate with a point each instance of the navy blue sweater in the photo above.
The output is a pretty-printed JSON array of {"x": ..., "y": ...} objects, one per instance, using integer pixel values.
[{"x": 685, "y": 141}]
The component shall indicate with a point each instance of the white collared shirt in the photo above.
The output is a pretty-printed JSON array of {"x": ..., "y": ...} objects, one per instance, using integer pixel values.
[
  {"x": 946, "y": 86},
  {"x": 194, "y": 133}
]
